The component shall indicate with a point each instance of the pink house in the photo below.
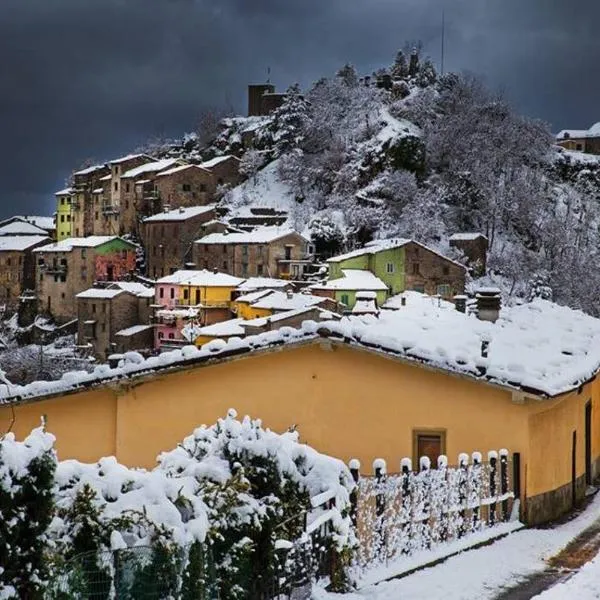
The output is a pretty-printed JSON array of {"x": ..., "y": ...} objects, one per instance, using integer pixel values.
[{"x": 172, "y": 317}]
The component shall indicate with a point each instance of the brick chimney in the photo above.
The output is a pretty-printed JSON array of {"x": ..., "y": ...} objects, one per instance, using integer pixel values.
[{"x": 489, "y": 303}]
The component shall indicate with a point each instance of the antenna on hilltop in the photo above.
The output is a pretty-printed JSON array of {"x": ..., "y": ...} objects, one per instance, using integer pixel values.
[
  {"x": 268, "y": 74},
  {"x": 443, "y": 38}
]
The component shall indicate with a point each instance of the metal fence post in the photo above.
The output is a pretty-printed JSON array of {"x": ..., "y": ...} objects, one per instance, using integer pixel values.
[
  {"x": 493, "y": 460},
  {"x": 504, "y": 481},
  {"x": 354, "y": 465}
]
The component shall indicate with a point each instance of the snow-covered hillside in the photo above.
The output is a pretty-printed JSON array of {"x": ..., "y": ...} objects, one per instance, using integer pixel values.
[{"x": 408, "y": 153}]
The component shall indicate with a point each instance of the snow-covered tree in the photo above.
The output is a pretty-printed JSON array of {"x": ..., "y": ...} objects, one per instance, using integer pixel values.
[
  {"x": 251, "y": 162},
  {"x": 26, "y": 510},
  {"x": 326, "y": 236},
  {"x": 289, "y": 121}
]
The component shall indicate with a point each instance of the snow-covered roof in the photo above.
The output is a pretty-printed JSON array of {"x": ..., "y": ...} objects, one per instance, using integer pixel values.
[
  {"x": 106, "y": 177},
  {"x": 371, "y": 248},
  {"x": 151, "y": 167},
  {"x": 225, "y": 329},
  {"x": 43, "y": 222},
  {"x": 129, "y": 157},
  {"x": 283, "y": 301},
  {"x": 134, "y": 330},
  {"x": 18, "y": 243},
  {"x": 65, "y": 192},
  {"x": 92, "y": 241},
  {"x": 571, "y": 133},
  {"x": 261, "y": 235},
  {"x": 466, "y": 236},
  {"x": 99, "y": 293},
  {"x": 213, "y": 162},
  {"x": 353, "y": 279},
  {"x": 262, "y": 283},
  {"x": 379, "y": 245},
  {"x": 18, "y": 227},
  {"x": 540, "y": 347},
  {"x": 282, "y": 316},
  {"x": 180, "y": 214},
  {"x": 135, "y": 288},
  {"x": 89, "y": 170},
  {"x": 253, "y": 296},
  {"x": 200, "y": 278},
  {"x": 593, "y": 131},
  {"x": 181, "y": 168},
  {"x": 98, "y": 191}
]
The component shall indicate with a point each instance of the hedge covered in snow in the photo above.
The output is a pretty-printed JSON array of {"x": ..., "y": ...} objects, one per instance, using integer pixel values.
[{"x": 235, "y": 487}]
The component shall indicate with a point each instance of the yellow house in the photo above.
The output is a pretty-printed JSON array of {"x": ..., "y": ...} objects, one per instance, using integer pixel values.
[
  {"x": 63, "y": 214},
  {"x": 266, "y": 303},
  {"x": 425, "y": 379}
]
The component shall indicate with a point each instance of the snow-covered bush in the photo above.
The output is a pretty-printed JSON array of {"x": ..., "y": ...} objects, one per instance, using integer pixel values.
[
  {"x": 26, "y": 509},
  {"x": 235, "y": 488},
  {"x": 257, "y": 485}
]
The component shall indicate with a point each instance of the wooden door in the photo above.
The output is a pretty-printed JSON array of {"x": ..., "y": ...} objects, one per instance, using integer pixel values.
[{"x": 430, "y": 445}]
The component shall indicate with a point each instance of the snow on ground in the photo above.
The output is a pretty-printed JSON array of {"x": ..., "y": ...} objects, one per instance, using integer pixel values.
[
  {"x": 264, "y": 190},
  {"x": 584, "y": 585},
  {"x": 482, "y": 574}
]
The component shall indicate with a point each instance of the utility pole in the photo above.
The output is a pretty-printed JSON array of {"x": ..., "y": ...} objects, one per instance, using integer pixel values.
[{"x": 443, "y": 37}]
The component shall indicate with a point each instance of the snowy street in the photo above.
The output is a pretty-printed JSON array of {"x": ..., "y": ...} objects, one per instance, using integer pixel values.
[{"x": 488, "y": 573}]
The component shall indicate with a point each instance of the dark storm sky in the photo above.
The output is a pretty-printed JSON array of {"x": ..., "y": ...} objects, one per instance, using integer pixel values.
[{"x": 94, "y": 78}]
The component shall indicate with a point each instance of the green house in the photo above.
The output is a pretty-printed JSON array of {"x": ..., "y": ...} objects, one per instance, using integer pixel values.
[
  {"x": 352, "y": 281},
  {"x": 385, "y": 259},
  {"x": 397, "y": 265}
]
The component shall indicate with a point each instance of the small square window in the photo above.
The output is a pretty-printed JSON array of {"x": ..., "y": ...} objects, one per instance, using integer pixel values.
[
  {"x": 415, "y": 268},
  {"x": 389, "y": 267},
  {"x": 186, "y": 187},
  {"x": 344, "y": 299},
  {"x": 446, "y": 270}
]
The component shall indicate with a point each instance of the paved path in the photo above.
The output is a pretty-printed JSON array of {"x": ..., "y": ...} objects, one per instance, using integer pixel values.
[{"x": 561, "y": 567}]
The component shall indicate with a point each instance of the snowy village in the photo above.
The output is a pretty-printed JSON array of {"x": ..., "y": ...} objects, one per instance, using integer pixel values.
[{"x": 338, "y": 343}]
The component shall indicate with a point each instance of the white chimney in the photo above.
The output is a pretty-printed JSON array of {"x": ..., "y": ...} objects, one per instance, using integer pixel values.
[{"x": 489, "y": 302}]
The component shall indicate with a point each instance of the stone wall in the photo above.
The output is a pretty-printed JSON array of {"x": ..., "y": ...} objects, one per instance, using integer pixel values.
[
  {"x": 426, "y": 271},
  {"x": 249, "y": 260},
  {"x": 169, "y": 244},
  {"x": 193, "y": 186},
  {"x": 110, "y": 316}
]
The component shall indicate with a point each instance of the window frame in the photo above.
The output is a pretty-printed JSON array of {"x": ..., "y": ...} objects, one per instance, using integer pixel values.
[{"x": 442, "y": 433}]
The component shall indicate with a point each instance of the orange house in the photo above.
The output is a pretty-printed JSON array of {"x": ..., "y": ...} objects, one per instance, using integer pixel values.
[{"x": 424, "y": 379}]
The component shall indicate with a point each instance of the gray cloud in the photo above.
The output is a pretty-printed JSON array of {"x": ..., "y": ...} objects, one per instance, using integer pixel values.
[{"x": 93, "y": 79}]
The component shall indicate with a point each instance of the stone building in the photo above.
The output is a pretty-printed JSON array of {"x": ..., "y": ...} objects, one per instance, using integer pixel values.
[
  {"x": 103, "y": 313},
  {"x": 17, "y": 266},
  {"x": 133, "y": 183},
  {"x": 168, "y": 237},
  {"x": 191, "y": 185},
  {"x": 401, "y": 264},
  {"x": 83, "y": 205},
  {"x": 475, "y": 247},
  {"x": 265, "y": 252},
  {"x": 70, "y": 266},
  {"x": 263, "y": 99},
  {"x": 115, "y": 200},
  {"x": 580, "y": 140}
]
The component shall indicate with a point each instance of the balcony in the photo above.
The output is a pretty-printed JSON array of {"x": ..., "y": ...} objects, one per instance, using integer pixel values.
[
  {"x": 110, "y": 209},
  {"x": 54, "y": 269}
]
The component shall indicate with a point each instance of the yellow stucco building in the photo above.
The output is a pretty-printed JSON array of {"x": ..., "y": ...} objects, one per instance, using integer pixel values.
[
  {"x": 351, "y": 397},
  {"x": 63, "y": 214}
]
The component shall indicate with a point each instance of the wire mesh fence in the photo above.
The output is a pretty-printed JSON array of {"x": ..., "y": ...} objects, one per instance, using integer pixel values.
[{"x": 141, "y": 573}]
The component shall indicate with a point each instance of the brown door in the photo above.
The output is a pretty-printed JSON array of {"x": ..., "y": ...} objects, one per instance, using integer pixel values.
[{"x": 430, "y": 445}]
